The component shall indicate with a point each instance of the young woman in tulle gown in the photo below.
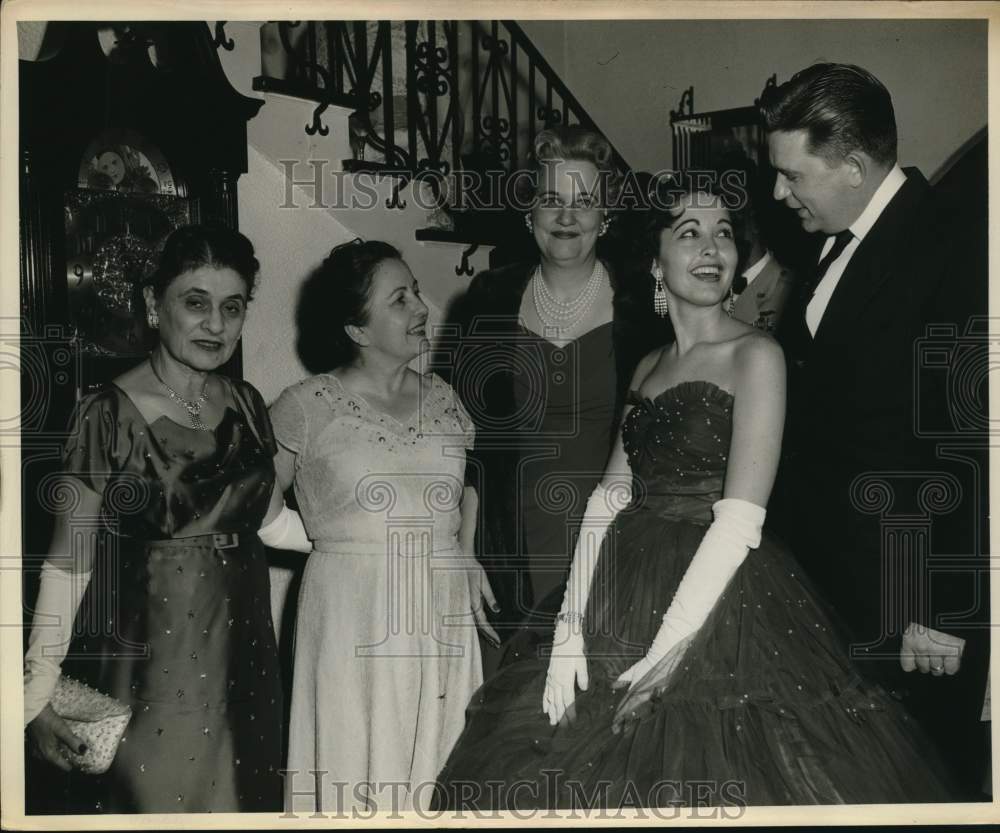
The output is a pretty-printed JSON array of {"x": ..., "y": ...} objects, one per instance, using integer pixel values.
[{"x": 692, "y": 663}]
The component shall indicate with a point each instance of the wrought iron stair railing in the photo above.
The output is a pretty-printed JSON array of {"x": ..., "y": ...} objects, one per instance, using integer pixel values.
[{"x": 427, "y": 95}]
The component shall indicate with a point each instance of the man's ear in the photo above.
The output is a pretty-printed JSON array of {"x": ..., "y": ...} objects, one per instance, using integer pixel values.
[
  {"x": 859, "y": 167},
  {"x": 150, "y": 298},
  {"x": 357, "y": 335}
]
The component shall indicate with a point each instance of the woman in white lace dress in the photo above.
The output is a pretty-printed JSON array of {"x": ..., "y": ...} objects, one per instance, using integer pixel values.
[{"x": 386, "y": 650}]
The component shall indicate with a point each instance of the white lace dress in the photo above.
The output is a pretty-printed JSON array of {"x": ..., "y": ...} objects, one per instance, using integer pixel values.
[{"x": 386, "y": 651}]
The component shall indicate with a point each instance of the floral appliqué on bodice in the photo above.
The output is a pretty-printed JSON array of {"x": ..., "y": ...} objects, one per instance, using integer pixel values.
[{"x": 362, "y": 474}]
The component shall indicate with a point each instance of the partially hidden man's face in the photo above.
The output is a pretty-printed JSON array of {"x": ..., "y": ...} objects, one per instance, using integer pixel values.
[{"x": 821, "y": 192}]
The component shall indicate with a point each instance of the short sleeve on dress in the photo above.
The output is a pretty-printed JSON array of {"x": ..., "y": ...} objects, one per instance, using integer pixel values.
[
  {"x": 288, "y": 420},
  {"x": 89, "y": 452},
  {"x": 468, "y": 427}
]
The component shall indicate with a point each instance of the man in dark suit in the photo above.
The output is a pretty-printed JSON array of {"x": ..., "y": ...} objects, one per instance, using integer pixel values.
[{"x": 862, "y": 496}]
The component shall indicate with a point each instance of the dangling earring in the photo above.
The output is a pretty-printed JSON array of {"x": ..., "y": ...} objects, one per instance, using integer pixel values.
[
  {"x": 604, "y": 227},
  {"x": 153, "y": 319},
  {"x": 731, "y": 305},
  {"x": 660, "y": 292},
  {"x": 529, "y": 224}
]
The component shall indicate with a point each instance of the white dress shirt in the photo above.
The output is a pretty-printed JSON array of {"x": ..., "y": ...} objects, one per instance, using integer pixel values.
[
  {"x": 893, "y": 181},
  {"x": 757, "y": 268}
]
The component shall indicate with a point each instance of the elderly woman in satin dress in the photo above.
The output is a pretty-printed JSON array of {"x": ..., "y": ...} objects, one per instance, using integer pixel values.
[{"x": 177, "y": 460}]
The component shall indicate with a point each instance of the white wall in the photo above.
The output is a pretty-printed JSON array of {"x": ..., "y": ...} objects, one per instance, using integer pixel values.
[{"x": 630, "y": 74}]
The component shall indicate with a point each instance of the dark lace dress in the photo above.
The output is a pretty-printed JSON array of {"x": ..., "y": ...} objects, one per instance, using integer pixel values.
[
  {"x": 765, "y": 708},
  {"x": 176, "y": 621}
]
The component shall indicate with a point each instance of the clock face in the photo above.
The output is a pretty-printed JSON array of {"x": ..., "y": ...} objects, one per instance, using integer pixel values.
[
  {"x": 122, "y": 160},
  {"x": 111, "y": 241}
]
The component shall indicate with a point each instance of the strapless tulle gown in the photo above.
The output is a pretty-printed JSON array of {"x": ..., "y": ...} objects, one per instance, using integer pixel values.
[{"x": 766, "y": 707}]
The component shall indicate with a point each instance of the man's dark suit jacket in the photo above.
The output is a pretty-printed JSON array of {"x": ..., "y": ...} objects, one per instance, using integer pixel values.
[{"x": 862, "y": 495}]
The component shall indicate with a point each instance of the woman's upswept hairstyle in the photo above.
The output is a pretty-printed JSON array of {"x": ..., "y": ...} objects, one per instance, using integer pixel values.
[
  {"x": 579, "y": 144},
  {"x": 192, "y": 247}
]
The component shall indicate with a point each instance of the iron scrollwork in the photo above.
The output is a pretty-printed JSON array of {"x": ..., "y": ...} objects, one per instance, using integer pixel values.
[
  {"x": 549, "y": 115},
  {"x": 465, "y": 268},
  {"x": 395, "y": 201},
  {"x": 497, "y": 47},
  {"x": 220, "y": 37},
  {"x": 432, "y": 65},
  {"x": 435, "y": 75},
  {"x": 316, "y": 126},
  {"x": 687, "y": 101},
  {"x": 497, "y": 136},
  {"x": 484, "y": 78}
]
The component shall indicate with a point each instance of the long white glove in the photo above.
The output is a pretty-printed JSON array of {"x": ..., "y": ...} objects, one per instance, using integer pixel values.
[
  {"x": 568, "y": 664},
  {"x": 286, "y": 532},
  {"x": 733, "y": 533},
  {"x": 59, "y": 595}
]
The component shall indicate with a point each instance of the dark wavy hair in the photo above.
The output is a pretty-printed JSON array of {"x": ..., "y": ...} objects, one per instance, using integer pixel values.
[
  {"x": 842, "y": 107},
  {"x": 336, "y": 293},
  {"x": 192, "y": 247},
  {"x": 667, "y": 200}
]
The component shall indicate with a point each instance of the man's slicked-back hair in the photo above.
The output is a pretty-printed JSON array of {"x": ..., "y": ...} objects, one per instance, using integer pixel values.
[{"x": 842, "y": 107}]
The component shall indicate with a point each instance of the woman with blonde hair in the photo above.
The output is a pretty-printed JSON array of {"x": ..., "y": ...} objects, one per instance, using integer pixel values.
[{"x": 541, "y": 358}]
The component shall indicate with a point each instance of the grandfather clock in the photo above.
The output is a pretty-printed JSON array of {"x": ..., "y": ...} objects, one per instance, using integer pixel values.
[{"x": 127, "y": 131}]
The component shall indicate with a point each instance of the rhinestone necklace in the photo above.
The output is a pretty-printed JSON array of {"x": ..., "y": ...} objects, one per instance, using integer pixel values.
[
  {"x": 566, "y": 315},
  {"x": 193, "y": 408}
]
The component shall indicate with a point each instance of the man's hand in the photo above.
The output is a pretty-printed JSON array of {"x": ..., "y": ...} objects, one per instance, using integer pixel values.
[{"x": 930, "y": 651}]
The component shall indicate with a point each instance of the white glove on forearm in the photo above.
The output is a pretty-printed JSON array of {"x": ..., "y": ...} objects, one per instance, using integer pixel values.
[
  {"x": 286, "y": 532},
  {"x": 59, "y": 595},
  {"x": 568, "y": 665},
  {"x": 603, "y": 507},
  {"x": 733, "y": 533}
]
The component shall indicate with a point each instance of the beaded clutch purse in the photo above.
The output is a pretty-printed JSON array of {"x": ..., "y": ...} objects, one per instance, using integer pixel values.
[{"x": 97, "y": 719}]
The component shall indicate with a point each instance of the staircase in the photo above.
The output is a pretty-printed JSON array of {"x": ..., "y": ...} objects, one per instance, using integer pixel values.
[
  {"x": 454, "y": 103},
  {"x": 363, "y": 127},
  {"x": 366, "y": 130}
]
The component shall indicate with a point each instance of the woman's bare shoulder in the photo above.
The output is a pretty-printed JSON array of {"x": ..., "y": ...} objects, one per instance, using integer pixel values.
[
  {"x": 757, "y": 355},
  {"x": 648, "y": 363}
]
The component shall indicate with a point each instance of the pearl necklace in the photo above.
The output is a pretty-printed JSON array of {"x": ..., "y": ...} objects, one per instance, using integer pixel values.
[
  {"x": 193, "y": 408},
  {"x": 566, "y": 315}
]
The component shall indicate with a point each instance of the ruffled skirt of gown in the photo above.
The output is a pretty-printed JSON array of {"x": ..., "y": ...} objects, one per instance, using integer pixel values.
[{"x": 765, "y": 708}]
